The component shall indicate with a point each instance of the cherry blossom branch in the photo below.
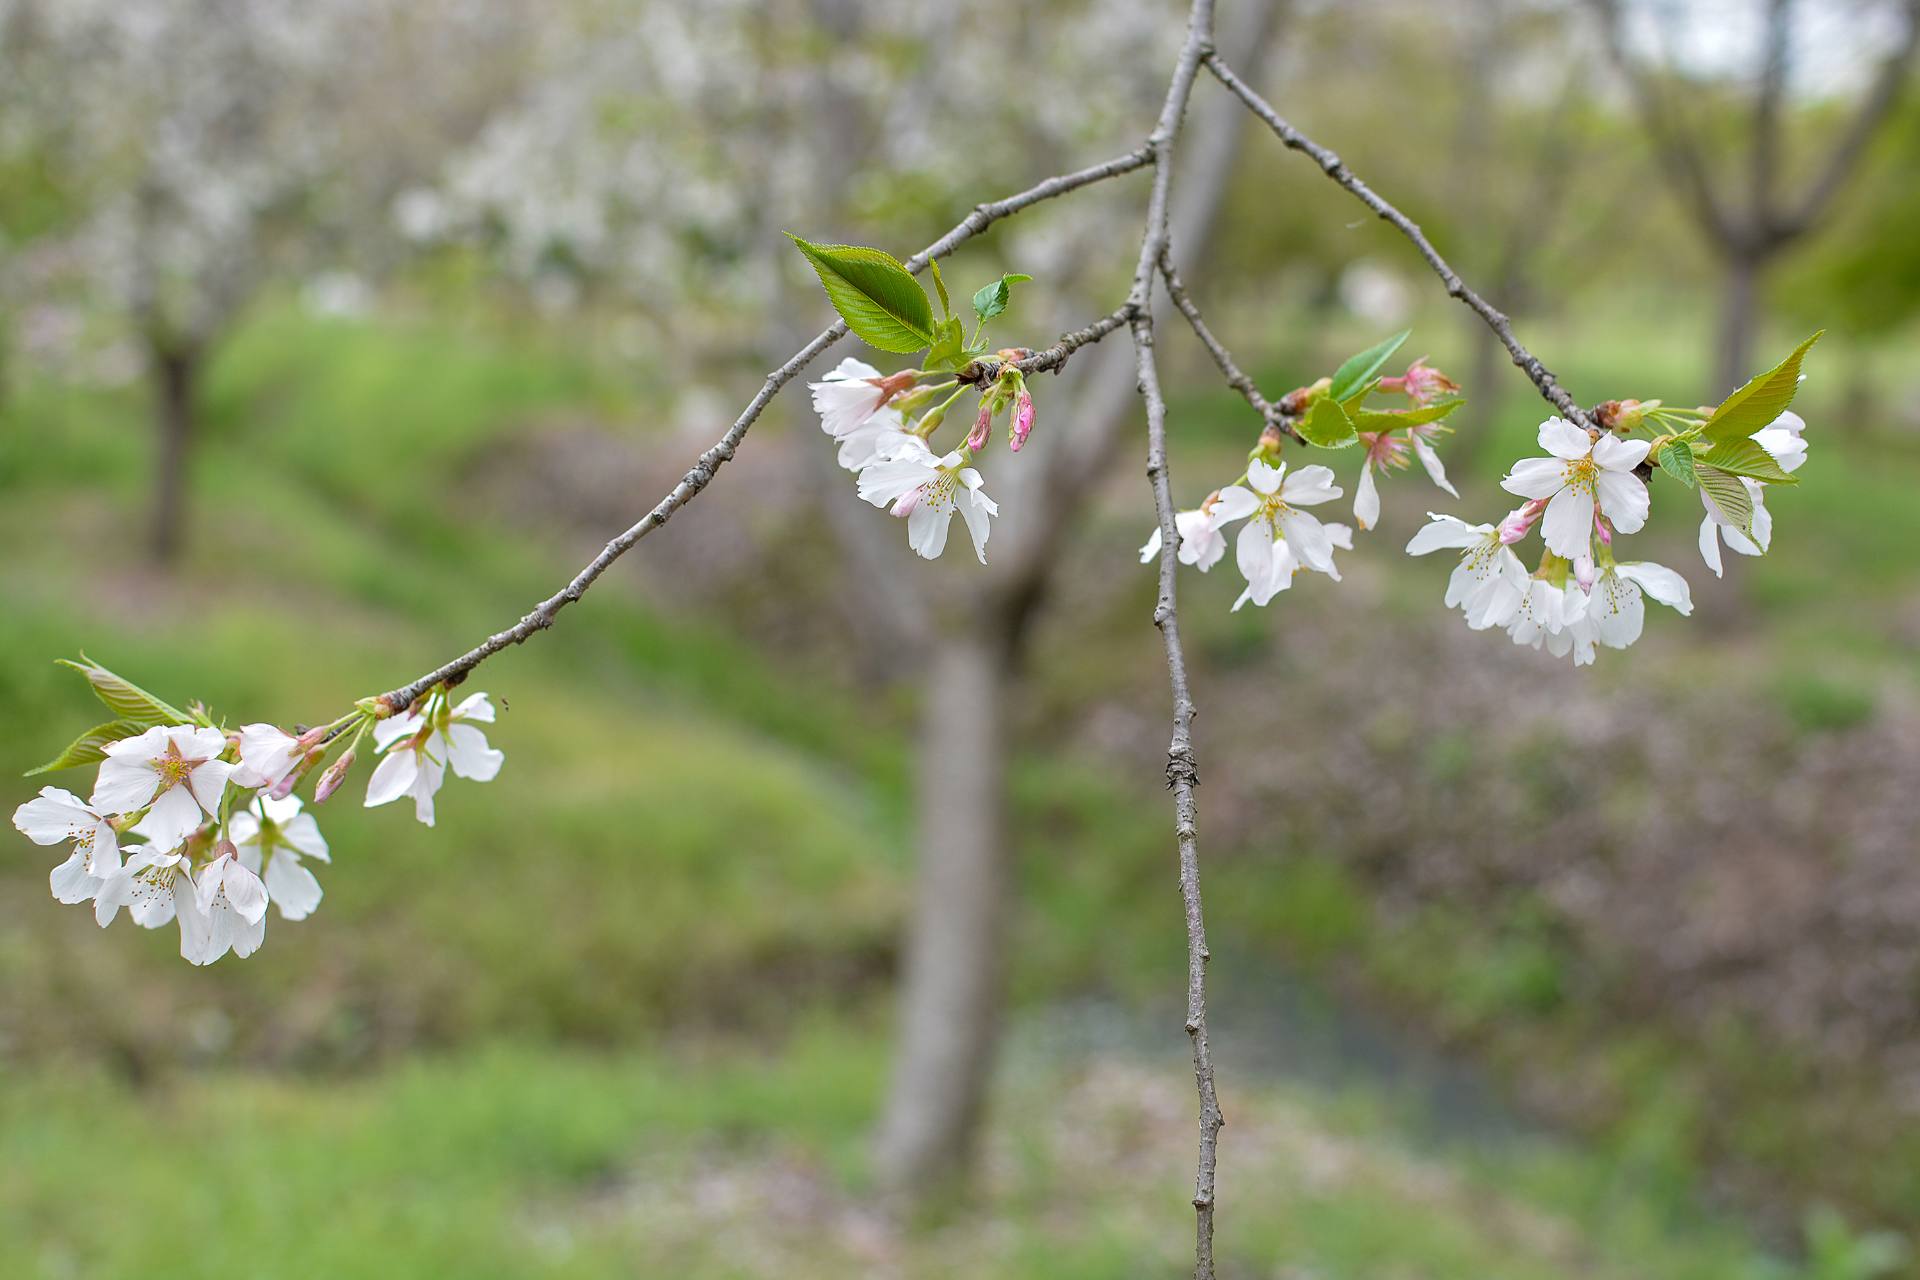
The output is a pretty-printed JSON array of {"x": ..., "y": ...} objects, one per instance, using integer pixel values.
[
  {"x": 1334, "y": 168},
  {"x": 1182, "y": 774},
  {"x": 708, "y": 464},
  {"x": 1237, "y": 378}
]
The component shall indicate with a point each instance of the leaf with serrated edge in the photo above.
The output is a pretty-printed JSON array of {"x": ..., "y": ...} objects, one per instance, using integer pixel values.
[
  {"x": 1352, "y": 375},
  {"x": 1761, "y": 400},
  {"x": 1744, "y": 457},
  {"x": 125, "y": 698},
  {"x": 90, "y": 746},
  {"x": 1676, "y": 459},
  {"x": 883, "y": 305},
  {"x": 1728, "y": 494},
  {"x": 1327, "y": 425},
  {"x": 1394, "y": 419},
  {"x": 990, "y": 300}
]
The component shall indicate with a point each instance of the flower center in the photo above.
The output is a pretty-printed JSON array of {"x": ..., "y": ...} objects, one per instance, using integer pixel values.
[
  {"x": 174, "y": 768},
  {"x": 1581, "y": 473}
]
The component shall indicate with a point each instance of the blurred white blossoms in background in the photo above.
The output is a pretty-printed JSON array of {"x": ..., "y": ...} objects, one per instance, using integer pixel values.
[
  {"x": 926, "y": 490},
  {"x": 423, "y": 742},
  {"x": 224, "y": 839},
  {"x": 1584, "y": 474}
]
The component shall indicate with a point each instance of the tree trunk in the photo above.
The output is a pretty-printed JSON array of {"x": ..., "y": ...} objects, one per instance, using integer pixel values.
[
  {"x": 951, "y": 990},
  {"x": 176, "y": 379},
  {"x": 1739, "y": 298}
]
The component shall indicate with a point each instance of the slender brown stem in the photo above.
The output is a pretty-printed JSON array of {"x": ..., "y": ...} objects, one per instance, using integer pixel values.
[
  {"x": 1236, "y": 377},
  {"x": 1333, "y": 167}
]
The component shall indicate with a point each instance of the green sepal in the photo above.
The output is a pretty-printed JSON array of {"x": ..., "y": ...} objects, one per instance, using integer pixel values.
[
  {"x": 1761, "y": 401},
  {"x": 1353, "y": 374},
  {"x": 881, "y": 302},
  {"x": 90, "y": 746}
]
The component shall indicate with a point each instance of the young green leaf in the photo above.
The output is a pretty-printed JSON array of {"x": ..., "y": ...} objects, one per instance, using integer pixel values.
[
  {"x": 1761, "y": 400},
  {"x": 940, "y": 287},
  {"x": 992, "y": 299},
  {"x": 1744, "y": 457},
  {"x": 1728, "y": 494},
  {"x": 1394, "y": 419},
  {"x": 90, "y": 746},
  {"x": 883, "y": 305},
  {"x": 125, "y": 698},
  {"x": 949, "y": 346},
  {"x": 1676, "y": 459},
  {"x": 1352, "y": 375},
  {"x": 1327, "y": 425}
]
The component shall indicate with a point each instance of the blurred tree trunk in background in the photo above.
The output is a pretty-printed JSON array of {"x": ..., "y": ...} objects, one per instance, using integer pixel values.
[
  {"x": 953, "y": 984},
  {"x": 1749, "y": 231},
  {"x": 175, "y": 373}
]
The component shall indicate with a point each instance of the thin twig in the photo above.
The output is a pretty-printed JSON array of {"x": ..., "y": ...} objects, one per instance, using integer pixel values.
[
  {"x": 1052, "y": 359},
  {"x": 1331, "y": 164},
  {"x": 1182, "y": 776},
  {"x": 1237, "y": 378},
  {"x": 542, "y": 615}
]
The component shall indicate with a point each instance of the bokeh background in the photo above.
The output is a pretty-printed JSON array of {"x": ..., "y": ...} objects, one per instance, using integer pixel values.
[{"x": 333, "y": 334}]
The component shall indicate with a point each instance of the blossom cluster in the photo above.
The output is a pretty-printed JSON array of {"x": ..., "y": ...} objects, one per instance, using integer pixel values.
[
  {"x": 191, "y": 824},
  {"x": 870, "y": 416},
  {"x": 1590, "y": 489}
]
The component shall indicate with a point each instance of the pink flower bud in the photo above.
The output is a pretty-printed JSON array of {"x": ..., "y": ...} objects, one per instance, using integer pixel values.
[
  {"x": 982, "y": 426},
  {"x": 1600, "y": 527},
  {"x": 904, "y": 507},
  {"x": 1585, "y": 573},
  {"x": 1022, "y": 420},
  {"x": 1515, "y": 526},
  {"x": 284, "y": 788},
  {"x": 330, "y": 780}
]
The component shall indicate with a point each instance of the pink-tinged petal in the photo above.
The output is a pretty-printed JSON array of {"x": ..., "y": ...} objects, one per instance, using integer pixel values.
[
  {"x": 1444, "y": 531},
  {"x": 392, "y": 778},
  {"x": 1366, "y": 500},
  {"x": 1236, "y": 502},
  {"x": 1623, "y": 497},
  {"x": 469, "y": 754},
  {"x": 1536, "y": 478},
  {"x": 125, "y": 783},
  {"x": 1568, "y": 526},
  {"x": 1436, "y": 470},
  {"x": 174, "y": 816},
  {"x": 292, "y": 887},
  {"x": 1612, "y": 453},
  {"x": 208, "y": 782},
  {"x": 1263, "y": 478},
  {"x": 1564, "y": 440},
  {"x": 54, "y": 815}
]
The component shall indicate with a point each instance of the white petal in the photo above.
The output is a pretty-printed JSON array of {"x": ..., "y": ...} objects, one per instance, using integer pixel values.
[
  {"x": 1623, "y": 497},
  {"x": 392, "y": 777},
  {"x": 1310, "y": 486},
  {"x": 302, "y": 834},
  {"x": 207, "y": 782},
  {"x": 1236, "y": 502},
  {"x": 975, "y": 508},
  {"x": 469, "y": 754},
  {"x": 244, "y": 890},
  {"x": 1536, "y": 477},
  {"x": 71, "y": 882},
  {"x": 1568, "y": 526},
  {"x": 1366, "y": 499},
  {"x": 267, "y": 754},
  {"x": 292, "y": 887},
  {"x": 1309, "y": 541},
  {"x": 1660, "y": 582},
  {"x": 54, "y": 815},
  {"x": 1446, "y": 531},
  {"x": 927, "y": 529},
  {"x": 1564, "y": 440},
  {"x": 243, "y": 828},
  {"x": 1436, "y": 470},
  {"x": 1710, "y": 544},
  {"x": 475, "y": 708},
  {"x": 1614, "y": 454},
  {"x": 175, "y": 816},
  {"x": 1264, "y": 478},
  {"x": 425, "y": 783},
  {"x": 1151, "y": 548},
  {"x": 125, "y": 782},
  {"x": 1339, "y": 535},
  {"x": 1253, "y": 552},
  {"x": 393, "y": 728}
]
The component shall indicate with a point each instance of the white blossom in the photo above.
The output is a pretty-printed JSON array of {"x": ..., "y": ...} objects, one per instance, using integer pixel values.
[
  {"x": 153, "y": 885},
  {"x": 55, "y": 816},
  {"x": 229, "y": 911},
  {"x": 172, "y": 771},
  {"x": 1201, "y": 543},
  {"x": 268, "y": 753},
  {"x": 420, "y": 747},
  {"x": 926, "y": 490},
  {"x": 1583, "y": 473},
  {"x": 271, "y": 837},
  {"x": 1489, "y": 583},
  {"x": 1278, "y": 538},
  {"x": 853, "y": 409},
  {"x": 1781, "y": 438}
]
